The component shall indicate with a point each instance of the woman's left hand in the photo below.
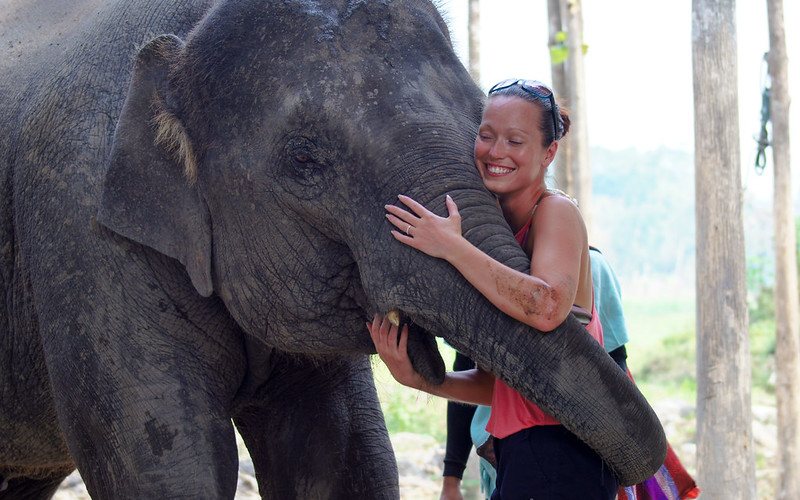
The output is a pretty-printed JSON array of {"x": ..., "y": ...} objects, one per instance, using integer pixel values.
[
  {"x": 391, "y": 343},
  {"x": 423, "y": 229}
]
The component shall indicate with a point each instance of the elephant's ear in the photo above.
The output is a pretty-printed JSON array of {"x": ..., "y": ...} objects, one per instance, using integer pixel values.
[{"x": 149, "y": 195}]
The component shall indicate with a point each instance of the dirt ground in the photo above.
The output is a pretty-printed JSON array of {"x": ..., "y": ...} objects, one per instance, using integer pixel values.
[{"x": 419, "y": 458}]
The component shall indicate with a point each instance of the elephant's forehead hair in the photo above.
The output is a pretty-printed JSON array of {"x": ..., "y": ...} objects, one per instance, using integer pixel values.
[
  {"x": 433, "y": 8},
  {"x": 245, "y": 57},
  {"x": 281, "y": 36}
]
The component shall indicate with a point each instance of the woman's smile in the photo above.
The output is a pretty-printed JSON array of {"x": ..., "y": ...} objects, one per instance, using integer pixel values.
[{"x": 498, "y": 170}]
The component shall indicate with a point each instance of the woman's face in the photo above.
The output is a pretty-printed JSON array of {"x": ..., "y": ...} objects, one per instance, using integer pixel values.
[{"x": 508, "y": 148}]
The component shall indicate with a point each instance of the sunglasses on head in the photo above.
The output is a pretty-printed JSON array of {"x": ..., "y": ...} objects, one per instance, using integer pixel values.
[{"x": 534, "y": 88}]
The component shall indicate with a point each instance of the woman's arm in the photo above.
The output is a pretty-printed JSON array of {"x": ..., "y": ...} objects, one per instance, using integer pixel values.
[
  {"x": 470, "y": 386},
  {"x": 542, "y": 299}
]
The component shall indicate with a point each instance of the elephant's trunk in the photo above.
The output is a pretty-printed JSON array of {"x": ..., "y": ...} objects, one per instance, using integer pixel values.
[
  {"x": 565, "y": 371},
  {"x": 570, "y": 376}
]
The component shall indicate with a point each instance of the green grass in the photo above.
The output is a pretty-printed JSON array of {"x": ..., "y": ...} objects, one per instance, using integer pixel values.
[
  {"x": 409, "y": 410},
  {"x": 649, "y": 320},
  {"x": 662, "y": 349},
  {"x": 762, "y": 349}
]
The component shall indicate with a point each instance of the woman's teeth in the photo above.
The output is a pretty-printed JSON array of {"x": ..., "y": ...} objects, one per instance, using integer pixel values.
[{"x": 494, "y": 169}]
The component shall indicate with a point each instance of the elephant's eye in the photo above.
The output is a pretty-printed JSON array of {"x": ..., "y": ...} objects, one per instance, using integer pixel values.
[
  {"x": 305, "y": 162},
  {"x": 303, "y": 151},
  {"x": 303, "y": 158}
]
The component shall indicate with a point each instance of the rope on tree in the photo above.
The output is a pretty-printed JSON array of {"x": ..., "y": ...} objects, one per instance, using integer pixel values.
[{"x": 763, "y": 135}]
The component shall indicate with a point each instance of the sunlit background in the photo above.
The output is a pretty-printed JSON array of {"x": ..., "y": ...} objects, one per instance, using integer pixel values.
[
  {"x": 640, "y": 108},
  {"x": 638, "y": 64},
  {"x": 639, "y": 101}
]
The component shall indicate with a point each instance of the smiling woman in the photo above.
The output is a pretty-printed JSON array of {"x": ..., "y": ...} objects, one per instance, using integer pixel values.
[{"x": 516, "y": 142}]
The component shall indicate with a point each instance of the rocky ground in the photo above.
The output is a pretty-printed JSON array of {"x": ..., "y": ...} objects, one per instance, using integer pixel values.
[{"x": 419, "y": 457}]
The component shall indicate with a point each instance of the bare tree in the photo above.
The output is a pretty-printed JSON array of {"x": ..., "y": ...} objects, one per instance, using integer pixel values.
[
  {"x": 726, "y": 465},
  {"x": 581, "y": 181},
  {"x": 474, "y": 40},
  {"x": 563, "y": 170},
  {"x": 787, "y": 302}
]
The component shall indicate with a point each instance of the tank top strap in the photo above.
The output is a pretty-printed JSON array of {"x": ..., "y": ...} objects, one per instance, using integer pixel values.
[{"x": 558, "y": 192}]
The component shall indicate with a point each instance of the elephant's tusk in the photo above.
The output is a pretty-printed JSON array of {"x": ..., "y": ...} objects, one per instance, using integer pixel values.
[{"x": 394, "y": 317}]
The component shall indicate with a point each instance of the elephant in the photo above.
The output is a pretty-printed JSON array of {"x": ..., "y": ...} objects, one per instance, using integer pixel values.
[{"x": 192, "y": 236}]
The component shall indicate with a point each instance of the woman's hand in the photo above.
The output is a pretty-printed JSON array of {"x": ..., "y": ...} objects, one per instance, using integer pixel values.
[
  {"x": 423, "y": 229},
  {"x": 469, "y": 386},
  {"x": 451, "y": 489},
  {"x": 393, "y": 351}
]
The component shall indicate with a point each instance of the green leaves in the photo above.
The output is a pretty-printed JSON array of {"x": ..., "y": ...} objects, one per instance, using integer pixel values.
[{"x": 559, "y": 52}]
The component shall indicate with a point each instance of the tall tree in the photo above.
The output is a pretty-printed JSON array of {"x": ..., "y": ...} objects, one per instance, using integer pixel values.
[
  {"x": 576, "y": 89},
  {"x": 563, "y": 170},
  {"x": 726, "y": 465},
  {"x": 787, "y": 302},
  {"x": 474, "y": 39}
]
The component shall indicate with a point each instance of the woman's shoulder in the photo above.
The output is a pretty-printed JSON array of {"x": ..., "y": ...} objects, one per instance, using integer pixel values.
[
  {"x": 559, "y": 211},
  {"x": 555, "y": 199}
]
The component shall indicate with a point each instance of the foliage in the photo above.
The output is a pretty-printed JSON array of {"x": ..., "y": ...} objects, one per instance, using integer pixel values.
[
  {"x": 643, "y": 211},
  {"x": 559, "y": 51},
  {"x": 760, "y": 280},
  {"x": 661, "y": 350},
  {"x": 667, "y": 366},
  {"x": 409, "y": 410},
  {"x": 670, "y": 362},
  {"x": 762, "y": 358}
]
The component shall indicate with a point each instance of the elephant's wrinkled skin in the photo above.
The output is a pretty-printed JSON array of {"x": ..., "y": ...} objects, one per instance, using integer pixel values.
[{"x": 145, "y": 307}]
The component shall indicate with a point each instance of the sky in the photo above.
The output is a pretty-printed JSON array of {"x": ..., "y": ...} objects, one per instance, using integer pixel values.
[{"x": 638, "y": 67}]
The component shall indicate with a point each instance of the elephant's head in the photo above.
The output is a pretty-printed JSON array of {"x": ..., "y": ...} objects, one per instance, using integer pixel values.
[{"x": 260, "y": 153}]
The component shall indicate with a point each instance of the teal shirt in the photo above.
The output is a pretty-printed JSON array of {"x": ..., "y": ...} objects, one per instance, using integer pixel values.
[
  {"x": 608, "y": 301},
  {"x": 488, "y": 475}
]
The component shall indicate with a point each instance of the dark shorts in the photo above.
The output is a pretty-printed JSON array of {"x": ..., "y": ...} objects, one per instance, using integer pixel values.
[
  {"x": 620, "y": 356},
  {"x": 549, "y": 462}
]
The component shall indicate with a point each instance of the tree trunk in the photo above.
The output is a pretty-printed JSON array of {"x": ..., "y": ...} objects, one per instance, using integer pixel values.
[
  {"x": 562, "y": 170},
  {"x": 787, "y": 303},
  {"x": 579, "y": 135},
  {"x": 474, "y": 28},
  {"x": 726, "y": 467}
]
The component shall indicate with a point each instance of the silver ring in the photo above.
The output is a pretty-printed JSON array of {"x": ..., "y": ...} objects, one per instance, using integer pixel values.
[{"x": 408, "y": 230}]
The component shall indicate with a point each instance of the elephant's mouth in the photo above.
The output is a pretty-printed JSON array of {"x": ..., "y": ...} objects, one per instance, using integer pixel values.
[{"x": 422, "y": 348}]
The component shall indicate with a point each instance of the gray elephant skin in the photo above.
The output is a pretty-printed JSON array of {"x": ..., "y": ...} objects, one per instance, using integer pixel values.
[{"x": 192, "y": 237}]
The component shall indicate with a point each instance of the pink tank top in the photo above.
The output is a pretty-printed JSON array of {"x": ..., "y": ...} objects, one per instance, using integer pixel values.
[{"x": 511, "y": 412}]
